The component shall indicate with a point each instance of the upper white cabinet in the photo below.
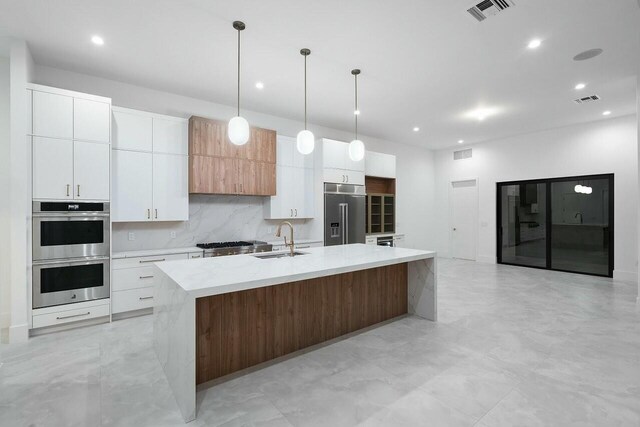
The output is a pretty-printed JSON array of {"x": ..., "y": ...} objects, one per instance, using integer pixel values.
[
  {"x": 90, "y": 170},
  {"x": 169, "y": 135},
  {"x": 380, "y": 165},
  {"x": 52, "y": 168},
  {"x": 338, "y": 166},
  {"x": 131, "y": 130},
  {"x": 150, "y": 173},
  {"x": 70, "y": 144},
  {"x": 91, "y": 120},
  {"x": 52, "y": 115},
  {"x": 294, "y": 183}
]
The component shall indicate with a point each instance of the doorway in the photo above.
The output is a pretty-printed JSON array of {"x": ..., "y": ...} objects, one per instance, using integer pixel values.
[
  {"x": 464, "y": 218},
  {"x": 563, "y": 224}
]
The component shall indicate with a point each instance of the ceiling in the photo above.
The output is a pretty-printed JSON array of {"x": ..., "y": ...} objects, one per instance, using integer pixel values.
[{"x": 424, "y": 63}]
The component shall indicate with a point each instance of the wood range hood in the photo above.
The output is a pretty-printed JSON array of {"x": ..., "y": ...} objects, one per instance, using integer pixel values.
[{"x": 216, "y": 166}]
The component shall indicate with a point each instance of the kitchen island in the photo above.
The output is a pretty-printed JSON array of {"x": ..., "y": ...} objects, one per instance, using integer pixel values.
[{"x": 216, "y": 316}]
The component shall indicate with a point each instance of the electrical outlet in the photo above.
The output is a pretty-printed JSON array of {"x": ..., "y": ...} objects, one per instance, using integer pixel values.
[
  {"x": 173, "y": 234},
  {"x": 132, "y": 236}
]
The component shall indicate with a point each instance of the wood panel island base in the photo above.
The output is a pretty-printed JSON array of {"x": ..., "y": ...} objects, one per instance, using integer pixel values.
[{"x": 216, "y": 316}]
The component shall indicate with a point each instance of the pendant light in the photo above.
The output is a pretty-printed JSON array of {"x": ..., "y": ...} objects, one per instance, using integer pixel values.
[
  {"x": 305, "y": 140},
  {"x": 356, "y": 147},
  {"x": 238, "y": 128}
]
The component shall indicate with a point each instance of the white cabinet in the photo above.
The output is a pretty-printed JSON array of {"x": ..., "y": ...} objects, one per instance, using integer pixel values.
[
  {"x": 398, "y": 241},
  {"x": 338, "y": 166},
  {"x": 91, "y": 170},
  {"x": 52, "y": 115},
  {"x": 65, "y": 169},
  {"x": 132, "y": 280},
  {"x": 150, "y": 174},
  {"x": 52, "y": 168},
  {"x": 132, "y": 186},
  {"x": 371, "y": 240},
  {"x": 132, "y": 130},
  {"x": 91, "y": 120},
  {"x": 170, "y": 187},
  {"x": 169, "y": 135},
  {"x": 70, "y": 147},
  {"x": 294, "y": 183},
  {"x": 380, "y": 165}
]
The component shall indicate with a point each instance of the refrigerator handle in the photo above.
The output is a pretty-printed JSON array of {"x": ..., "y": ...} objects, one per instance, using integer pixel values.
[
  {"x": 343, "y": 221},
  {"x": 346, "y": 224}
]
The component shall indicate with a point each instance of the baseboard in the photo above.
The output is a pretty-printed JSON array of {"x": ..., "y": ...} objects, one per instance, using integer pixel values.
[
  {"x": 67, "y": 326},
  {"x": 487, "y": 259},
  {"x": 625, "y": 276},
  {"x": 134, "y": 313},
  {"x": 18, "y": 333}
]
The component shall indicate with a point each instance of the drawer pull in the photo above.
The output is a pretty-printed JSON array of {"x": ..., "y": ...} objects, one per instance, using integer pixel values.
[
  {"x": 146, "y": 277},
  {"x": 73, "y": 315},
  {"x": 195, "y": 256},
  {"x": 151, "y": 260},
  {"x": 302, "y": 247},
  {"x": 143, "y": 298}
]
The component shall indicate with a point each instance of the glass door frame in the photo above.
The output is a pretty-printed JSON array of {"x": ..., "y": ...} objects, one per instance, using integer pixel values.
[{"x": 548, "y": 219}]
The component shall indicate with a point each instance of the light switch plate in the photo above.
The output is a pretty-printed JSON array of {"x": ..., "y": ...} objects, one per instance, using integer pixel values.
[
  {"x": 132, "y": 236},
  {"x": 173, "y": 234}
]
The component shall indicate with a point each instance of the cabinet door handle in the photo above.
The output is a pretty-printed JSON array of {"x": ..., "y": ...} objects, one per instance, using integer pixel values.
[
  {"x": 68, "y": 188},
  {"x": 156, "y": 213},
  {"x": 347, "y": 178},
  {"x": 151, "y": 260},
  {"x": 146, "y": 277},
  {"x": 342, "y": 178},
  {"x": 78, "y": 190},
  {"x": 291, "y": 212},
  {"x": 73, "y": 315},
  {"x": 296, "y": 212},
  {"x": 144, "y": 298},
  {"x": 148, "y": 213},
  {"x": 235, "y": 188},
  {"x": 242, "y": 188}
]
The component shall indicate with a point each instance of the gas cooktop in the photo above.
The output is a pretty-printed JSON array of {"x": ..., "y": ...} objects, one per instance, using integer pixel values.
[{"x": 233, "y": 248}]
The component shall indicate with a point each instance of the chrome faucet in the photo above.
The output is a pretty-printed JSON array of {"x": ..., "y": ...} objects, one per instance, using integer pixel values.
[
  {"x": 279, "y": 232},
  {"x": 576, "y": 216}
]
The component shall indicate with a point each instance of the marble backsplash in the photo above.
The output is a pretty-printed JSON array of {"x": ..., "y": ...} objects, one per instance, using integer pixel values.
[{"x": 211, "y": 219}]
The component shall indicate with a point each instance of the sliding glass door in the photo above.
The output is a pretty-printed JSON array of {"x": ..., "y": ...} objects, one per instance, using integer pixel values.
[{"x": 562, "y": 224}]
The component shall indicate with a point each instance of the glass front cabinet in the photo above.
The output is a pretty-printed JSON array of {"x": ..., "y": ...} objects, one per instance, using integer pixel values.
[{"x": 381, "y": 212}]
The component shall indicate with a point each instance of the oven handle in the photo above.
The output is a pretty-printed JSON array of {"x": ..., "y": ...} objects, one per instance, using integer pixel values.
[
  {"x": 94, "y": 260},
  {"x": 71, "y": 215}
]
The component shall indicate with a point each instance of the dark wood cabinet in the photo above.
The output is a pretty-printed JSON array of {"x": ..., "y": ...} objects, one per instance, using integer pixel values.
[{"x": 216, "y": 166}]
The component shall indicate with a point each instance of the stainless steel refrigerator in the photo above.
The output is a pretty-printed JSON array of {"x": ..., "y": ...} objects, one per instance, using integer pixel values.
[{"x": 344, "y": 214}]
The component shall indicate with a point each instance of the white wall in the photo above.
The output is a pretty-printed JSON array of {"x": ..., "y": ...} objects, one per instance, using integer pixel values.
[
  {"x": 605, "y": 146},
  {"x": 5, "y": 274},
  {"x": 415, "y": 165}
]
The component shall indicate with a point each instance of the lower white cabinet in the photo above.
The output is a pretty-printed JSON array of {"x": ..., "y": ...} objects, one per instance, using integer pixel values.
[
  {"x": 371, "y": 240},
  {"x": 60, "y": 315},
  {"x": 398, "y": 241},
  {"x": 132, "y": 280}
]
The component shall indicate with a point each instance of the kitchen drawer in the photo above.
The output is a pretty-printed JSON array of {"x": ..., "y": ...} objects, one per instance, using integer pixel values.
[
  {"x": 71, "y": 315},
  {"x": 132, "y": 278},
  {"x": 145, "y": 261},
  {"x": 371, "y": 241},
  {"x": 195, "y": 255},
  {"x": 133, "y": 299}
]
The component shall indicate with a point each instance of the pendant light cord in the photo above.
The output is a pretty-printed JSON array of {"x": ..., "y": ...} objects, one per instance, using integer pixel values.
[
  {"x": 305, "y": 92},
  {"x": 356, "y": 110},
  {"x": 238, "y": 73}
]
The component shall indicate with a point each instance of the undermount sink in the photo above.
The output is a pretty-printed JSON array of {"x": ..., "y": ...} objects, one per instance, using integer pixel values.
[{"x": 280, "y": 255}]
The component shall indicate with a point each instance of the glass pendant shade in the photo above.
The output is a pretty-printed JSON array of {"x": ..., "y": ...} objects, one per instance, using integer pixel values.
[
  {"x": 305, "y": 142},
  {"x": 238, "y": 130},
  {"x": 356, "y": 150},
  {"x": 578, "y": 188}
]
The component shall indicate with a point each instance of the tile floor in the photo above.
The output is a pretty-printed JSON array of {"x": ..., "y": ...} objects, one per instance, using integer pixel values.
[{"x": 513, "y": 347}]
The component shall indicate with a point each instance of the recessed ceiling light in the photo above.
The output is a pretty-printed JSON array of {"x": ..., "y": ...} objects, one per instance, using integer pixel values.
[
  {"x": 460, "y": 141},
  {"x": 416, "y": 129},
  {"x": 260, "y": 85},
  {"x": 580, "y": 86},
  {"x": 97, "y": 40},
  {"x": 606, "y": 113},
  {"x": 534, "y": 44},
  {"x": 356, "y": 112}
]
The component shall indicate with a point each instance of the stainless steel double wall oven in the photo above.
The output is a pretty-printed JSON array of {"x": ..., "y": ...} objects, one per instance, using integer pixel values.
[{"x": 70, "y": 252}]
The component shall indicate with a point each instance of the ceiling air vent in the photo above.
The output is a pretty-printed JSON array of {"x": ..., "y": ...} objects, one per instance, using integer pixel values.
[
  {"x": 488, "y": 8},
  {"x": 462, "y": 154},
  {"x": 587, "y": 99}
]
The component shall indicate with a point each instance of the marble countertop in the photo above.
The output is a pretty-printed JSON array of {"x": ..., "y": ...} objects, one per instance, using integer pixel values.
[
  {"x": 219, "y": 275},
  {"x": 154, "y": 252}
]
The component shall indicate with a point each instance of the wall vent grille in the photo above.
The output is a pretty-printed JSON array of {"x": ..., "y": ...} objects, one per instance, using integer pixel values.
[
  {"x": 487, "y": 8},
  {"x": 462, "y": 154},
  {"x": 587, "y": 99}
]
